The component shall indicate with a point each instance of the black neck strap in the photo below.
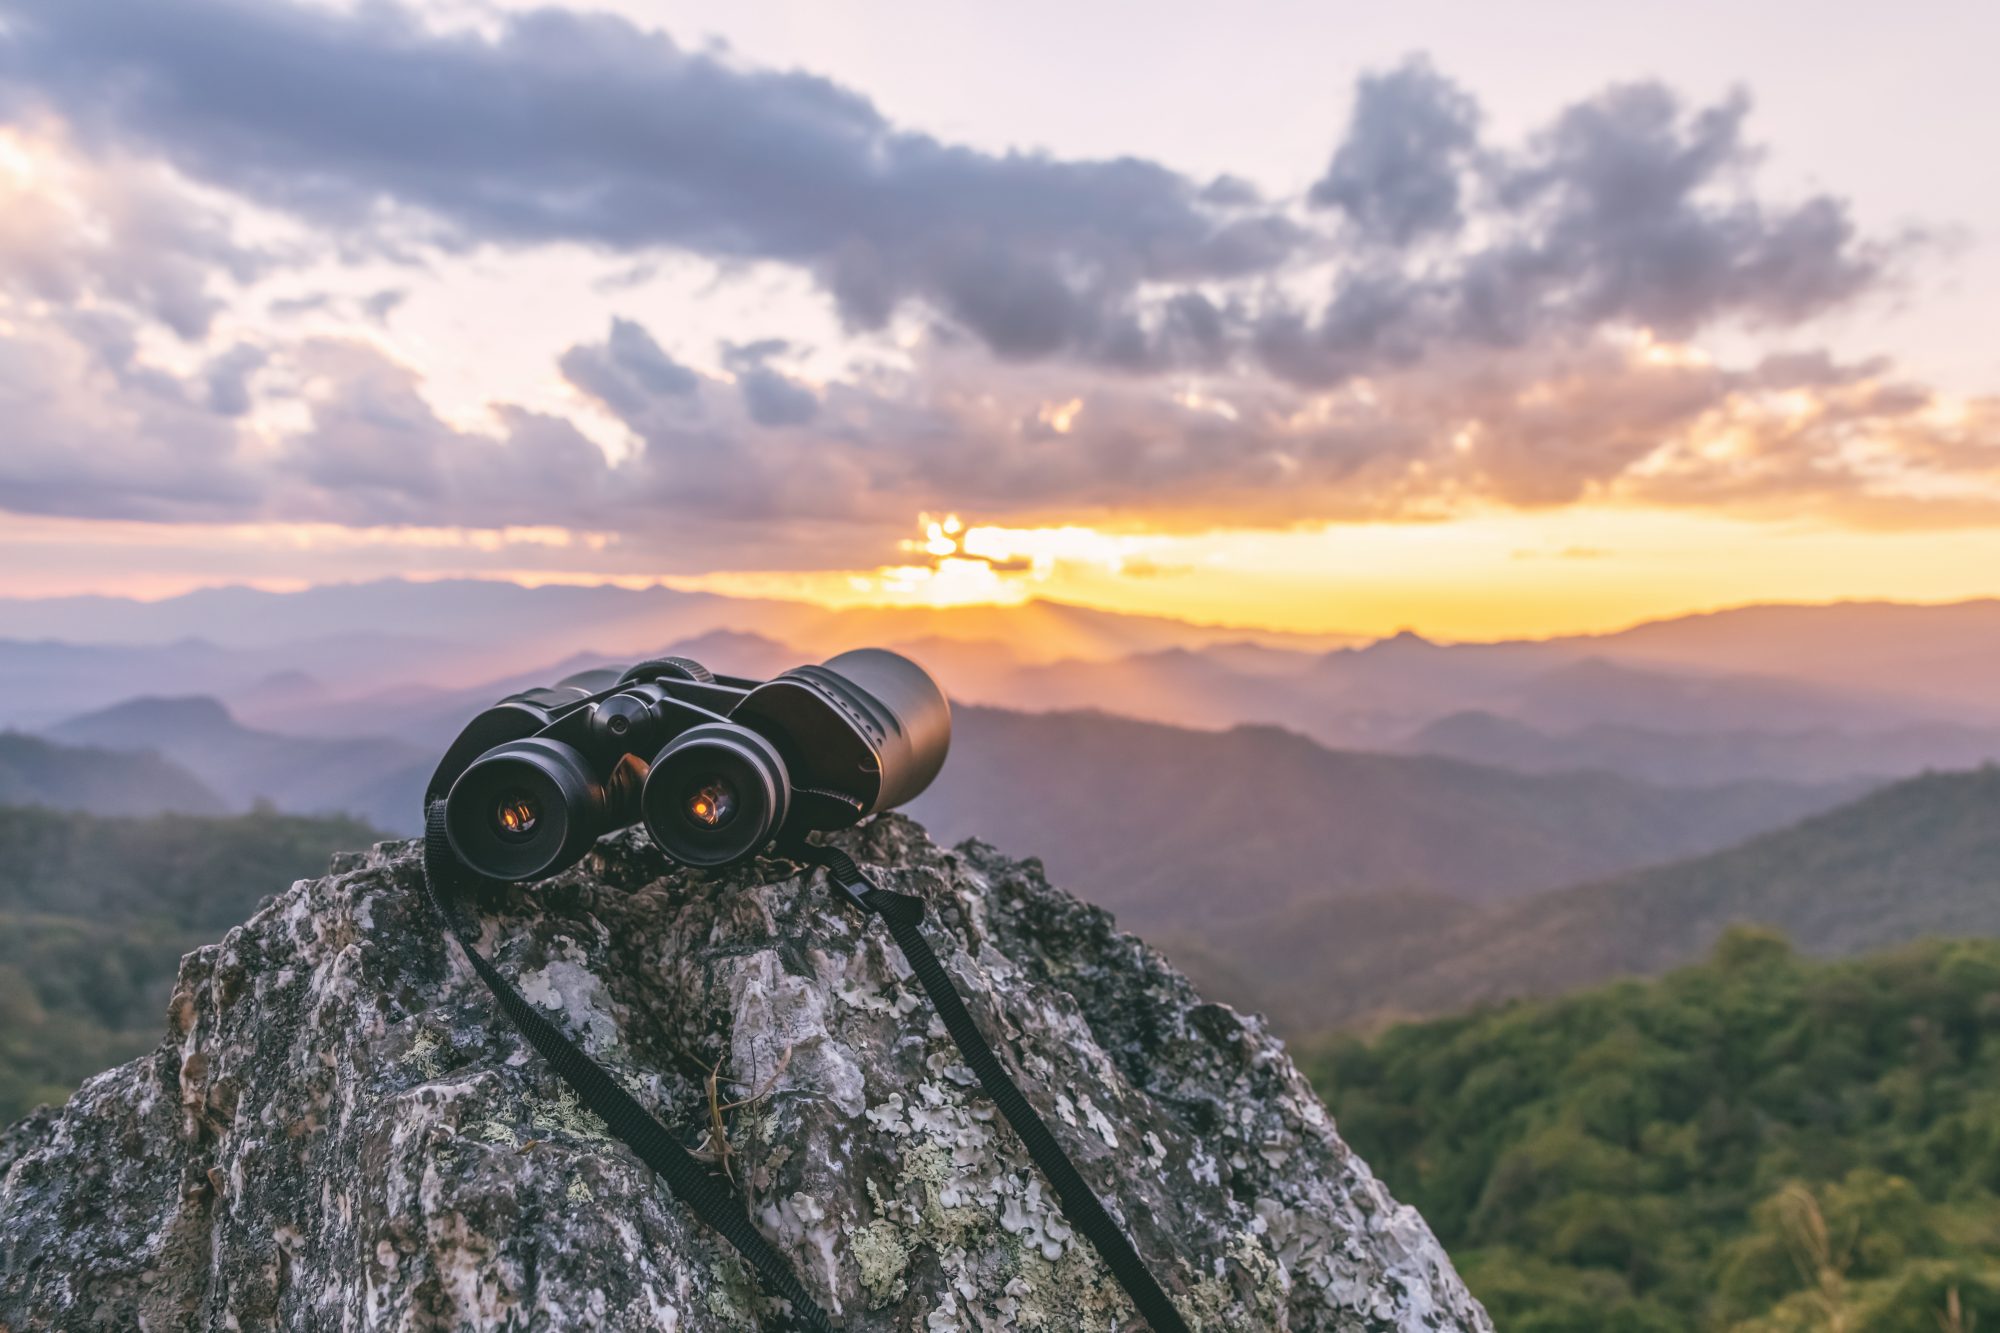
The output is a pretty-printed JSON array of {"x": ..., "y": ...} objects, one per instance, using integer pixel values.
[
  {"x": 1080, "y": 1204},
  {"x": 710, "y": 1197},
  {"x": 708, "y": 1194}
]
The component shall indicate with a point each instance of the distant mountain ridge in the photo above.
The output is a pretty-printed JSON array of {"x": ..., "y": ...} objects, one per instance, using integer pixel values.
[
  {"x": 606, "y": 616},
  {"x": 1784, "y": 691},
  {"x": 1693, "y": 758},
  {"x": 368, "y": 777},
  {"x": 1173, "y": 828},
  {"x": 1943, "y": 653},
  {"x": 1915, "y": 859},
  {"x": 37, "y": 772}
]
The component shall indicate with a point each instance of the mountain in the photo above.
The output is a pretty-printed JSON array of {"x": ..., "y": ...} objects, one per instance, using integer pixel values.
[
  {"x": 1594, "y": 691},
  {"x": 1940, "y": 655},
  {"x": 429, "y": 717},
  {"x": 37, "y": 772},
  {"x": 1760, "y": 1144},
  {"x": 301, "y": 774},
  {"x": 375, "y": 658},
  {"x": 95, "y": 914},
  {"x": 1696, "y": 757},
  {"x": 1186, "y": 687},
  {"x": 1299, "y": 964},
  {"x": 340, "y": 1129},
  {"x": 1174, "y": 827},
  {"x": 42, "y": 681},
  {"x": 1385, "y": 695},
  {"x": 495, "y": 615},
  {"x": 1919, "y": 858}
]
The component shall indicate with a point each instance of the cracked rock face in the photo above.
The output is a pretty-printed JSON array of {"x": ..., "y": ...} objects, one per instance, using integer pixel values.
[{"x": 342, "y": 1132}]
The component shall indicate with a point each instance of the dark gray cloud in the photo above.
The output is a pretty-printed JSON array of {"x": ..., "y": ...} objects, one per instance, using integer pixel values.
[
  {"x": 771, "y": 397},
  {"x": 1646, "y": 202},
  {"x": 228, "y": 377},
  {"x": 554, "y": 125},
  {"x": 1631, "y": 208},
  {"x": 583, "y": 127},
  {"x": 629, "y": 372},
  {"x": 1400, "y": 173}
]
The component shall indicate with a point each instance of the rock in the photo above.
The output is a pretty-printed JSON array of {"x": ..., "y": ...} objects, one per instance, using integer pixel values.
[{"x": 341, "y": 1131}]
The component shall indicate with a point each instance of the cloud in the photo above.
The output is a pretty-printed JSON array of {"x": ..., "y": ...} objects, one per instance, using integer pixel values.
[
  {"x": 93, "y": 432},
  {"x": 228, "y": 377},
  {"x": 1444, "y": 320},
  {"x": 1631, "y": 209},
  {"x": 77, "y": 228},
  {"x": 1400, "y": 173},
  {"x": 772, "y": 398},
  {"x": 376, "y": 453},
  {"x": 1646, "y": 198},
  {"x": 629, "y": 373},
  {"x": 1533, "y": 427},
  {"x": 572, "y": 126}
]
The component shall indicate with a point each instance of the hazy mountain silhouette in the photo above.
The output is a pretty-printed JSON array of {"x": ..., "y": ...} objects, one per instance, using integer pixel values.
[
  {"x": 1919, "y": 858},
  {"x": 302, "y": 774},
  {"x": 1695, "y": 757},
  {"x": 1943, "y": 655},
  {"x": 39, "y": 772},
  {"x": 512, "y": 619},
  {"x": 381, "y": 654},
  {"x": 1174, "y": 827},
  {"x": 44, "y": 681},
  {"x": 429, "y": 717}
]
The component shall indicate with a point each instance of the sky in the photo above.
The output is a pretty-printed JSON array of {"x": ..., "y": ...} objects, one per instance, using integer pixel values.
[{"x": 1480, "y": 320}]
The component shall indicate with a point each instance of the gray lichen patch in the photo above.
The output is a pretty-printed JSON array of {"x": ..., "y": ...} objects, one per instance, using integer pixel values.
[{"x": 341, "y": 1131}]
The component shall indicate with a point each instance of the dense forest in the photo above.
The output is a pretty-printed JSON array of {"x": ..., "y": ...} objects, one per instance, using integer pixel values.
[
  {"x": 1762, "y": 1143},
  {"x": 95, "y": 913}
]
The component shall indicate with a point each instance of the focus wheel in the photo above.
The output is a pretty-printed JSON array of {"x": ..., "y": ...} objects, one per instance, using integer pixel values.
[{"x": 677, "y": 668}]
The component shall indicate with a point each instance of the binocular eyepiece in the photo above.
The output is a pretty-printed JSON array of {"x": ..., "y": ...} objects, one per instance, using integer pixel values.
[{"x": 718, "y": 768}]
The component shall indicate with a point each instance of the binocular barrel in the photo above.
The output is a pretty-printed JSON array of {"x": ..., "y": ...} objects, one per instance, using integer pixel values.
[{"x": 716, "y": 769}]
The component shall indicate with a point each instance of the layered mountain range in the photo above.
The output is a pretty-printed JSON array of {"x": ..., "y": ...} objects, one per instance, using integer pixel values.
[{"x": 1287, "y": 814}]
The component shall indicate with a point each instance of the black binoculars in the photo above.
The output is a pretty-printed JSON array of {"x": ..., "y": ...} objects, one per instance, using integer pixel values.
[{"x": 718, "y": 767}]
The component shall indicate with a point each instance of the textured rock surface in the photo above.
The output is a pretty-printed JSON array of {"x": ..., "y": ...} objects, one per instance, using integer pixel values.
[{"x": 341, "y": 1132}]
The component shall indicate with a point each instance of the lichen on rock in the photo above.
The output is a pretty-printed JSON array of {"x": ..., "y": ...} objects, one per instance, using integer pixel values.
[{"x": 341, "y": 1131}]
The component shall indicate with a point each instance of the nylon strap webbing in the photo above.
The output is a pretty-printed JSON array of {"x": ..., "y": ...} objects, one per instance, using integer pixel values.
[{"x": 1080, "y": 1204}]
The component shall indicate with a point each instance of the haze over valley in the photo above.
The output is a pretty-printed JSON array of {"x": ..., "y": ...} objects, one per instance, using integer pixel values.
[{"x": 1289, "y": 816}]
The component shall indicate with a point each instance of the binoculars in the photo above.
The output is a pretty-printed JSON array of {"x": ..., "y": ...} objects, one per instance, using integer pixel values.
[{"x": 718, "y": 767}]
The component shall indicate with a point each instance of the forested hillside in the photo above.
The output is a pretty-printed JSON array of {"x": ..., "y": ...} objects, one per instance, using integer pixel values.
[
  {"x": 34, "y": 771},
  {"x": 95, "y": 914},
  {"x": 1916, "y": 859},
  {"x": 1763, "y": 1144}
]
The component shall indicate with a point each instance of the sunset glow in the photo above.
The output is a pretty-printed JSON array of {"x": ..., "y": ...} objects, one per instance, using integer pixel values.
[{"x": 1493, "y": 576}]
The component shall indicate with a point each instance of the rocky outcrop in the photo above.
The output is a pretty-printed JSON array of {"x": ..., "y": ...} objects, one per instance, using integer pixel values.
[{"x": 341, "y": 1131}]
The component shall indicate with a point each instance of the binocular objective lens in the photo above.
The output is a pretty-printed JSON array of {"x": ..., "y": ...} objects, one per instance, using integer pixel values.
[
  {"x": 711, "y": 802},
  {"x": 516, "y": 814}
]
